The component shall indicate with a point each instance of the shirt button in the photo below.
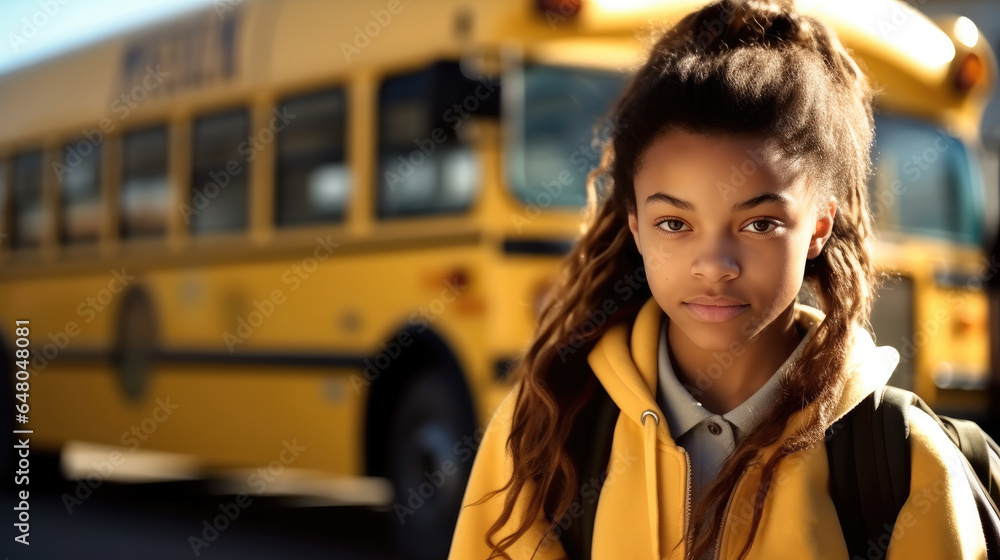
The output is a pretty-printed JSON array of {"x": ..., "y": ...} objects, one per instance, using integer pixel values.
[{"x": 714, "y": 428}]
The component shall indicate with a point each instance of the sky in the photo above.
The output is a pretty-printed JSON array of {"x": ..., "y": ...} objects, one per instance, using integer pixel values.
[{"x": 33, "y": 30}]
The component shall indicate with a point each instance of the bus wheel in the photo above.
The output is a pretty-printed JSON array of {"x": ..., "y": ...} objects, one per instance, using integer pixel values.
[{"x": 430, "y": 423}]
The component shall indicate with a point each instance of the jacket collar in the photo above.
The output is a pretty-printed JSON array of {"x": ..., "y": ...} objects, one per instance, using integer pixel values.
[
  {"x": 683, "y": 411},
  {"x": 625, "y": 361}
]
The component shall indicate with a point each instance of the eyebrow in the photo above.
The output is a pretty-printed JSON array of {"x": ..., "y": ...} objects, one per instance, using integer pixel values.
[{"x": 738, "y": 207}]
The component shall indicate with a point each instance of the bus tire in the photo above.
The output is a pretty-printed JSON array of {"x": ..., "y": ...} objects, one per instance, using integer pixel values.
[{"x": 431, "y": 419}]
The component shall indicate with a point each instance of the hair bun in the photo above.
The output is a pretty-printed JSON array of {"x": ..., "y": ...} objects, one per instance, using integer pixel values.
[{"x": 731, "y": 24}]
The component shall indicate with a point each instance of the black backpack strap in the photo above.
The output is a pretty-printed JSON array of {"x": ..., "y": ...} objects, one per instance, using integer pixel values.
[
  {"x": 880, "y": 455},
  {"x": 589, "y": 446},
  {"x": 894, "y": 411},
  {"x": 986, "y": 508},
  {"x": 975, "y": 445},
  {"x": 982, "y": 472},
  {"x": 844, "y": 482},
  {"x": 869, "y": 458}
]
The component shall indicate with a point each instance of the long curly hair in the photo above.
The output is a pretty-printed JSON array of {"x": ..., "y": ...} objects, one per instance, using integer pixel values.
[{"x": 732, "y": 67}]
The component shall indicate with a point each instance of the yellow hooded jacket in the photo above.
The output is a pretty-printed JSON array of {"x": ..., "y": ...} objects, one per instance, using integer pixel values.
[{"x": 643, "y": 505}]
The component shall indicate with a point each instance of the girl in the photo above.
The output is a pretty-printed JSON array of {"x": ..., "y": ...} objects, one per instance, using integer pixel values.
[{"x": 735, "y": 177}]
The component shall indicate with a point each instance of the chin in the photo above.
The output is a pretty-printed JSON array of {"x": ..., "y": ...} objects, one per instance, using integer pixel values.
[{"x": 713, "y": 336}]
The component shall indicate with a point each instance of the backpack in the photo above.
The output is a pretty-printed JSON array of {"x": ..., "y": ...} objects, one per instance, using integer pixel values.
[
  {"x": 870, "y": 470},
  {"x": 589, "y": 447}
]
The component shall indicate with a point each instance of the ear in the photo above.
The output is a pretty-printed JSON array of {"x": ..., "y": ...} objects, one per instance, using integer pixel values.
[
  {"x": 633, "y": 225},
  {"x": 823, "y": 229}
]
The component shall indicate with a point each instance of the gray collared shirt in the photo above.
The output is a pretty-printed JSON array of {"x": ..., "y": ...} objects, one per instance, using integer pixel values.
[{"x": 710, "y": 438}]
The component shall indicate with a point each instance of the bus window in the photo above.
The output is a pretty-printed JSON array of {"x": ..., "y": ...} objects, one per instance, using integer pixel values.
[
  {"x": 923, "y": 182},
  {"x": 423, "y": 166},
  {"x": 144, "y": 193},
  {"x": 312, "y": 180},
  {"x": 79, "y": 181},
  {"x": 219, "y": 173},
  {"x": 553, "y": 129},
  {"x": 28, "y": 210}
]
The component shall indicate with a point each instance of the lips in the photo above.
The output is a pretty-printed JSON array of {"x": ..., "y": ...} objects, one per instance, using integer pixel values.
[
  {"x": 714, "y": 309},
  {"x": 713, "y": 300}
]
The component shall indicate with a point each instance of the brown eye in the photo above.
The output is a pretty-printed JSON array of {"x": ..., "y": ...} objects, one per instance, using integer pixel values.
[
  {"x": 761, "y": 226},
  {"x": 671, "y": 225}
]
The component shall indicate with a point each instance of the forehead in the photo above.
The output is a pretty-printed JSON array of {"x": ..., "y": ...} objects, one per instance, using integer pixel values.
[{"x": 679, "y": 160}]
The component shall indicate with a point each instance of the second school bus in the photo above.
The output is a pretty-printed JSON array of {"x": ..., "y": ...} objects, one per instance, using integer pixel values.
[{"x": 329, "y": 226}]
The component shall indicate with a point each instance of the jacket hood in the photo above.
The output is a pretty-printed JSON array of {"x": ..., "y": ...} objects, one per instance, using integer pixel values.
[{"x": 625, "y": 362}]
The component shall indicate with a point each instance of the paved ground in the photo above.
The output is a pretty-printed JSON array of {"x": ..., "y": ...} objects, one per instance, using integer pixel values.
[{"x": 158, "y": 521}]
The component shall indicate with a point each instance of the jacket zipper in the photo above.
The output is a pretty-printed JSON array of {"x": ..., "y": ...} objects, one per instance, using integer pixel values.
[
  {"x": 725, "y": 512},
  {"x": 725, "y": 516},
  {"x": 687, "y": 493}
]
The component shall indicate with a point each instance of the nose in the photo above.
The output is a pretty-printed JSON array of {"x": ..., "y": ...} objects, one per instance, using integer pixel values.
[{"x": 715, "y": 262}]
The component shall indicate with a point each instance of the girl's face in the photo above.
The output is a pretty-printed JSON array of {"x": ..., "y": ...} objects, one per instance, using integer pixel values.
[{"x": 724, "y": 227}]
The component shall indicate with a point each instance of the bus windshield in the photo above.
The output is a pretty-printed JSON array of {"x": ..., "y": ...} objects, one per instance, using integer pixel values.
[
  {"x": 562, "y": 114},
  {"x": 923, "y": 182}
]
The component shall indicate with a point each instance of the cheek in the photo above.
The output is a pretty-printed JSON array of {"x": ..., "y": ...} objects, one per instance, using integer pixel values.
[
  {"x": 771, "y": 256},
  {"x": 660, "y": 258},
  {"x": 778, "y": 262}
]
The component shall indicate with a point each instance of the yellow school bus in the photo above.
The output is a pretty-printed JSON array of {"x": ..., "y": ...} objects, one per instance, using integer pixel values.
[{"x": 312, "y": 235}]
